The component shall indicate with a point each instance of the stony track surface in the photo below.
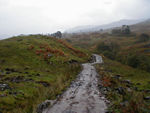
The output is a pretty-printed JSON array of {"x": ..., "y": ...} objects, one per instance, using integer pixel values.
[{"x": 83, "y": 95}]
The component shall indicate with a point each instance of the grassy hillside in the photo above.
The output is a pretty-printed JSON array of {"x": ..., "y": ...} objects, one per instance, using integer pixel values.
[
  {"x": 35, "y": 68},
  {"x": 141, "y": 27},
  {"x": 127, "y": 88}
]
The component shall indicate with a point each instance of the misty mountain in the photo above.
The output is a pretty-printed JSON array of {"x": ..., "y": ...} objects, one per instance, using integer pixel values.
[
  {"x": 92, "y": 28},
  {"x": 3, "y": 36},
  {"x": 141, "y": 27}
]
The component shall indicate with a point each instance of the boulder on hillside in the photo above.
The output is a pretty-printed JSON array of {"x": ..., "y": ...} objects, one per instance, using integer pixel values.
[
  {"x": 4, "y": 87},
  {"x": 58, "y": 34}
]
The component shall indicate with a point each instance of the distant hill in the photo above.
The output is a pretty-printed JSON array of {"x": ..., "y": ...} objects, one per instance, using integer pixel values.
[
  {"x": 3, "y": 36},
  {"x": 92, "y": 28},
  {"x": 141, "y": 27}
]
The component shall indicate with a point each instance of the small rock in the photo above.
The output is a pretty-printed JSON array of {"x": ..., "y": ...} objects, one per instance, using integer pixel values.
[
  {"x": 147, "y": 91},
  {"x": 8, "y": 72},
  {"x": 26, "y": 72},
  {"x": 117, "y": 76},
  {"x": 29, "y": 80},
  {"x": 138, "y": 83},
  {"x": 26, "y": 68},
  {"x": 135, "y": 88},
  {"x": 29, "y": 75},
  {"x": 73, "y": 61},
  {"x": 146, "y": 98},
  {"x": 120, "y": 90},
  {"x": 127, "y": 81},
  {"x": 12, "y": 70},
  {"x": 13, "y": 93},
  {"x": 44, "y": 83},
  {"x": 125, "y": 103},
  {"x": 49, "y": 55},
  {"x": 43, "y": 106},
  {"x": 37, "y": 74},
  {"x": 7, "y": 69},
  {"x": 4, "y": 87}
]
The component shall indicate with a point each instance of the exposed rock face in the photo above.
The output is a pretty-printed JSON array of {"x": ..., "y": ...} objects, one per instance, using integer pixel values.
[{"x": 58, "y": 34}]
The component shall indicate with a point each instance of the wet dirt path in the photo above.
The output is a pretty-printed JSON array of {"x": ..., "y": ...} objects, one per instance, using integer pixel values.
[{"x": 83, "y": 95}]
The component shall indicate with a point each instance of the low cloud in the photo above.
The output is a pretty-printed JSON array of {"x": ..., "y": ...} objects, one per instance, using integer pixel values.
[{"x": 45, "y": 16}]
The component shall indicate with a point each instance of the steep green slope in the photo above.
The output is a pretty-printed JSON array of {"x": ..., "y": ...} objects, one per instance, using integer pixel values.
[{"x": 35, "y": 68}]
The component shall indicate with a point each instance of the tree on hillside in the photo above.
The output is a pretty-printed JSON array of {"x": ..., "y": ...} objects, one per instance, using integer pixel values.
[{"x": 125, "y": 29}]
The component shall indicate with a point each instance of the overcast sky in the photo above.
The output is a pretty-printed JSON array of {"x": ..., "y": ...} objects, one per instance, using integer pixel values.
[{"x": 46, "y": 16}]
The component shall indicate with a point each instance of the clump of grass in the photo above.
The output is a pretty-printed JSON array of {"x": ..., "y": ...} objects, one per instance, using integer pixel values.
[{"x": 130, "y": 97}]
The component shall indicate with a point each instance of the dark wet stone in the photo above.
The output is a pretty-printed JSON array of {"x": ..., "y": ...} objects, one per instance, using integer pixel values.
[
  {"x": 117, "y": 76},
  {"x": 146, "y": 98},
  {"x": 7, "y": 69},
  {"x": 26, "y": 72},
  {"x": 12, "y": 70},
  {"x": 129, "y": 85},
  {"x": 26, "y": 68},
  {"x": 92, "y": 59},
  {"x": 8, "y": 72},
  {"x": 135, "y": 88},
  {"x": 29, "y": 75},
  {"x": 43, "y": 106},
  {"x": 4, "y": 87},
  {"x": 13, "y": 93},
  {"x": 29, "y": 80},
  {"x": 120, "y": 90},
  {"x": 138, "y": 84},
  {"x": 125, "y": 103},
  {"x": 127, "y": 81},
  {"x": 37, "y": 74},
  {"x": 147, "y": 90},
  {"x": 44, "y": 83},
  {"x": 72, "y": 61}
]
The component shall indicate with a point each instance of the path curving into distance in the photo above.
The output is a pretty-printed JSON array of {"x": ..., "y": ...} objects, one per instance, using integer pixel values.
[{"x": 83, "y": 95}]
